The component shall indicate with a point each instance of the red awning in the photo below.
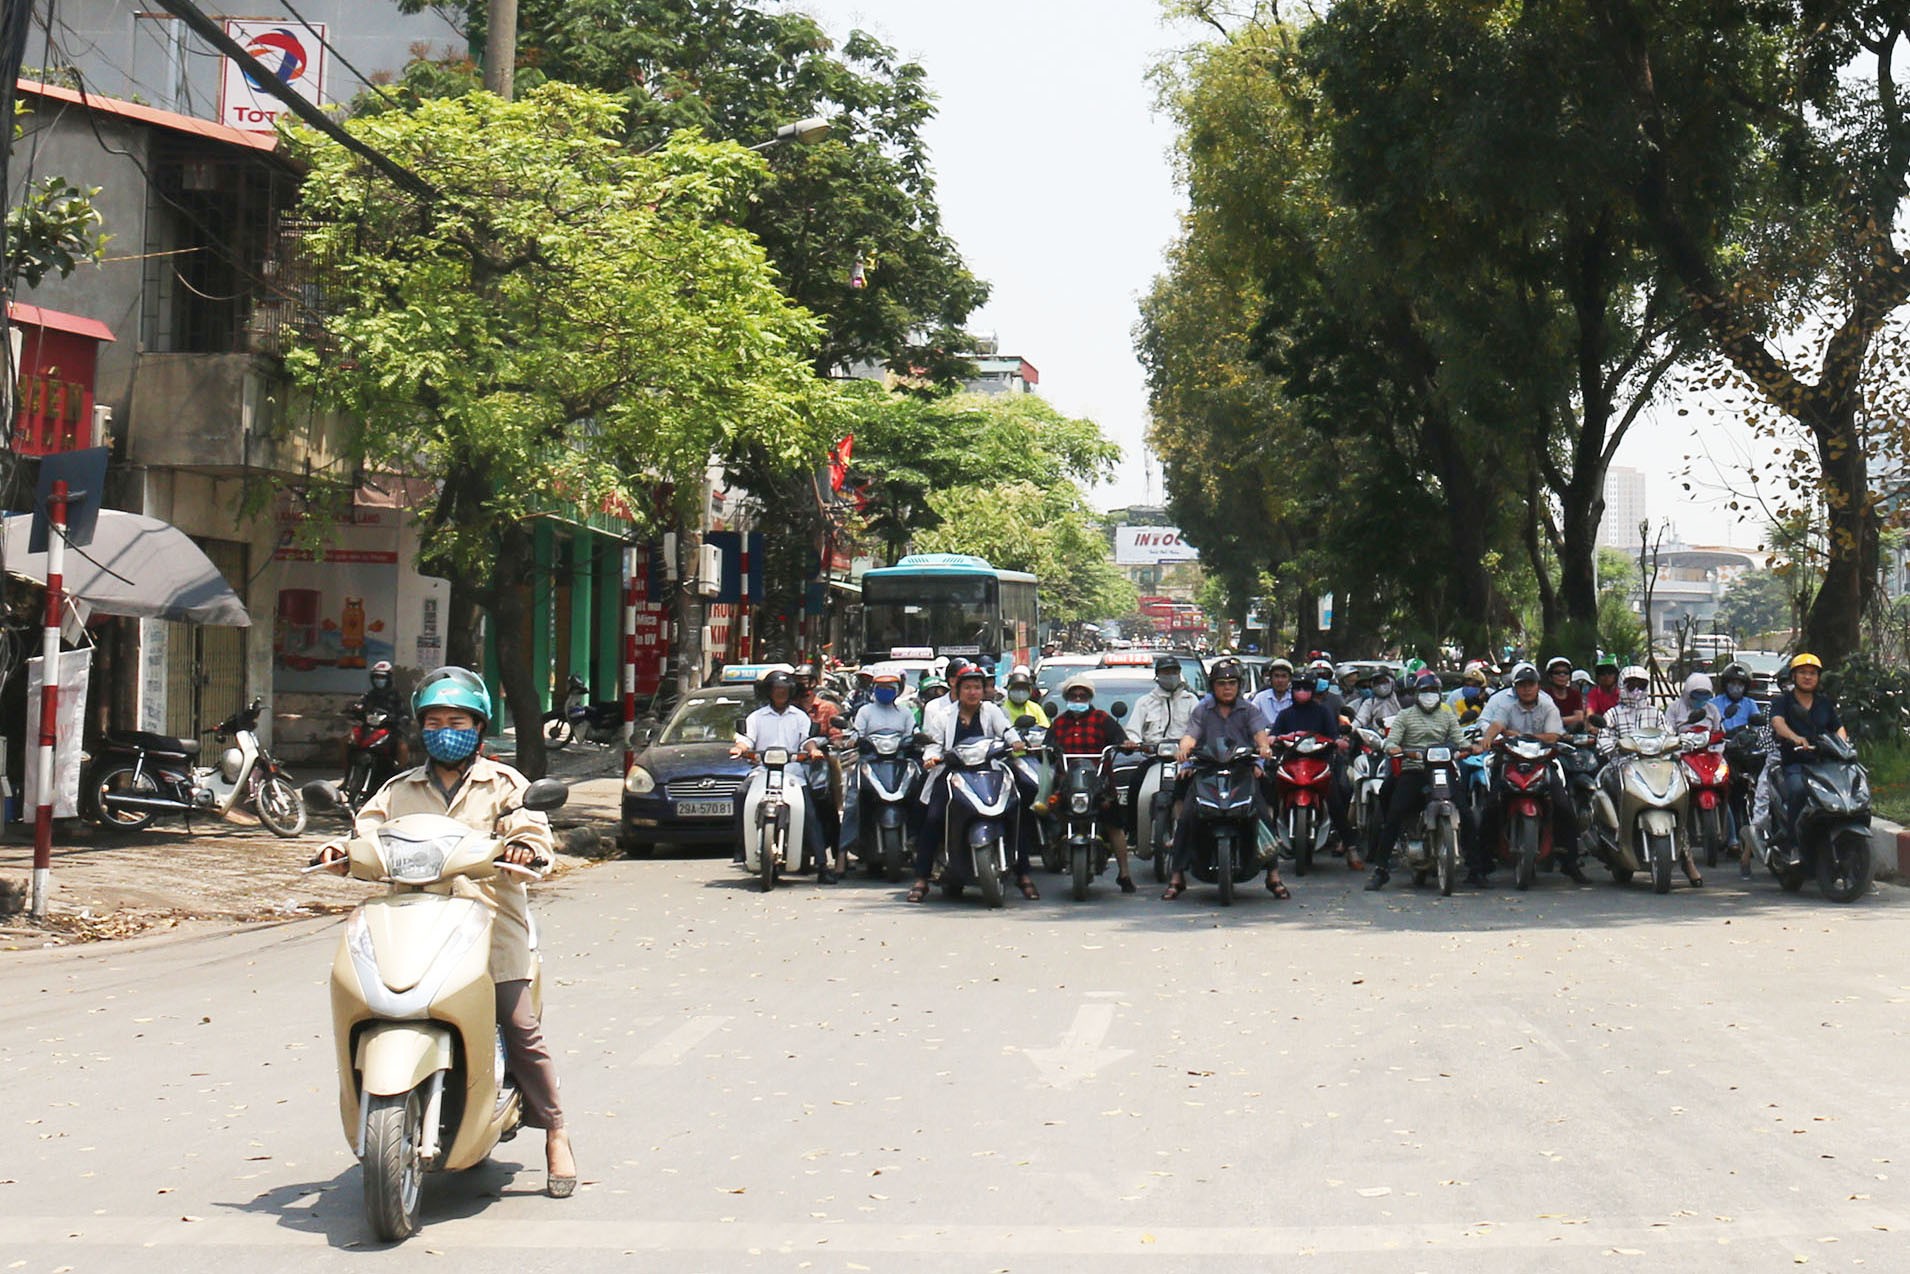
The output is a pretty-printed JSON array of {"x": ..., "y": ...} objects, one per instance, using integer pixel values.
[
  {"x": 170, "y": 120},
  {"x": 58, "y": 322}
]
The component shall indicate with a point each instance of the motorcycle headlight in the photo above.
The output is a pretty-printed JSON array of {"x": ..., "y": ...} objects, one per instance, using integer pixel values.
[
  {"x": 229, "y": 762},
  {"x": 1079, "y": 804},
  {"x": 639, "y": 782}
]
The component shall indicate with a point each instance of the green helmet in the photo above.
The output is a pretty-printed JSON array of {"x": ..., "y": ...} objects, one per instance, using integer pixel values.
[
  {"x": 1414, "y": 667},
  {"x": 452, "y": 687}
]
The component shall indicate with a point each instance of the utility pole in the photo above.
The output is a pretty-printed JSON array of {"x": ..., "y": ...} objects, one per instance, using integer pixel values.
[{"x": 500, "y": 46}]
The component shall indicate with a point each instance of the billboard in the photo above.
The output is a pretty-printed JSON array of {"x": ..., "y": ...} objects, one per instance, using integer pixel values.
[
  {"x": 293, "y": 53},
  {"x": 1150, "y": 546}
]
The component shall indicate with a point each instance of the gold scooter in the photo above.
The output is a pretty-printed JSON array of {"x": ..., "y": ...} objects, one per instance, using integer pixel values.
[{"x": 421, "y": 1080}]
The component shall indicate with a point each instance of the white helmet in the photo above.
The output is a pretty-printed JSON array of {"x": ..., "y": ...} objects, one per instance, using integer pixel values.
[
  {"x": 1524, "y": 671},
  {"x": 1633, "y": 673}
]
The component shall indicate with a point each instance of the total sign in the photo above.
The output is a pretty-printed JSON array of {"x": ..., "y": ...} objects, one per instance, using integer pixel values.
[
  {"x": 291, "y": 53},
  {"x": 1150, "y": 546}
]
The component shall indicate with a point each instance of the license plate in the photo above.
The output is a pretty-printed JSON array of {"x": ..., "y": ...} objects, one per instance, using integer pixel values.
[
  {"x": 704, "y": 809},
  {"x": 1125, "y": 795}
]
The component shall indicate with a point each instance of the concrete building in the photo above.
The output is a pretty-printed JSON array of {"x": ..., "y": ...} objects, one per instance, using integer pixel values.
[
  {"x": 999, "y": 373},
  {"x": 1626, "y": 506},
  {"x": 1692, "y": 580}
]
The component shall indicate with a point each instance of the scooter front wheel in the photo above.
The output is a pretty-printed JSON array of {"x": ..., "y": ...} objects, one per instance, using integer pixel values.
[
  {"x": 1661, "y": 856},
  {"x": 394, "y": 1175},
  {"x": 280, "y": 806},
  {"x": 768, "y": 855},
  {"x": 1083, "y": 864},
  {"x": 987, "y": 878},
  {"x": 1224, "y": 869},
  {"x": 1843, "y": 867}
]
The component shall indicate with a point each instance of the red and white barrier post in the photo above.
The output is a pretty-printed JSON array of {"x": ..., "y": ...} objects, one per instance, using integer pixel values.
[
  {"x": 743, "y": 650},
  {"x": 629, "y": 658},
  {"x": 49, "y": 696}
]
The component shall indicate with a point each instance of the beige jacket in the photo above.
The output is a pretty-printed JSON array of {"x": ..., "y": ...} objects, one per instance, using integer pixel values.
[{"x": 487, "y": 788}]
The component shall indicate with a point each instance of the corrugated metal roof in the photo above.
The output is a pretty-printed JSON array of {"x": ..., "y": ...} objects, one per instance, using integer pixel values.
[
  {"x": 38, "y": 316},
  {"x": 172, "y": 121}
]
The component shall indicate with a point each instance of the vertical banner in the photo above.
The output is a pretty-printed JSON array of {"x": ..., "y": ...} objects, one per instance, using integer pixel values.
[{"x": 74, "y": 670}]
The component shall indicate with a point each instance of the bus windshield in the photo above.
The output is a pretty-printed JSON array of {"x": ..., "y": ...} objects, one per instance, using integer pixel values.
[{"x": 947, "y": 612}]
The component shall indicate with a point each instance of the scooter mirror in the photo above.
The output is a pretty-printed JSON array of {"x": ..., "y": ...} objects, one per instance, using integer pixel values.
[
  {"x": 1760, "y": 719},
  {"x": 1023, "y": 721},
  {"x": 1119, "y": 711},
  {"x": 320, "y": 794},
  {"x": 1597, "y": 719},
  {"x": 1696, "y": 716},
  {"x": 545, "y": 795}
]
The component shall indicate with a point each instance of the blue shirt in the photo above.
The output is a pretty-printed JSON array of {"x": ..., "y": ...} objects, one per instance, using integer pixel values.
[{"x": 1735, "y": 715}]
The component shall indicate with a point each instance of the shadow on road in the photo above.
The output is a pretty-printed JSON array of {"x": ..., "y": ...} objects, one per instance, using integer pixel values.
[{"x": 338, "y": 1213}]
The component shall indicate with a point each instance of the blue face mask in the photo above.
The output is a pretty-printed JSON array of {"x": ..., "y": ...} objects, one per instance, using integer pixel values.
[
  {"x": 1078, "y": 708},
  {"x": 1321, "y": 685},
  {"x": 1700, "y": 697},
  {"x": 885, "y": 695},
  {"x": 1366, "y": 692},
  {"x": 450, "y": 746}
]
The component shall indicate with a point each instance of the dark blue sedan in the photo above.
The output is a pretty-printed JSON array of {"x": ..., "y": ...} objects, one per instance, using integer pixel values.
[{"x": 684, "y": 786}]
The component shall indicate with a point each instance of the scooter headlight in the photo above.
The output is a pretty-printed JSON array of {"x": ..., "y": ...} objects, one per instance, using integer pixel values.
[
  {"x": 775, "y": 756},
  {"x": 1079, "y": 803},
  {"x": 887, "y": 744},
  {"x": 229, "y": 762},
  {"x": 414, "y": 864},
  {"x": 639, "y": 782}
]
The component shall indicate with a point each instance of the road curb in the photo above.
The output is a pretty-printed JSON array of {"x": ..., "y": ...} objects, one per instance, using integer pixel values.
[{"x": 1890, "y": 850}]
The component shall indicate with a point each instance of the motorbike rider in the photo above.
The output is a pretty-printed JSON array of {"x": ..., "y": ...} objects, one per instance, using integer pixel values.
[
  {"x": 1558, "y": 684},
  {"x": 383, "y": 696},
  {"x": 1081, "y": 729},
  {"x": 1377, "y": 712},
  {"x": 1799, "y": 718},
  {"x": 1633, "y": 716},
  {"x": 1315, "y": 712},
  {"x": 1524, "y": 710},
  {"x": 1020, "y": 697},
  {"x": 782, "y": 723},
  {"x": 969, "y": 716},
  {"x": 931, "y": 689},
  {"x": 1428, "y": 723},
  {"x": 1473, "y": 678},
  {"x": 1698, "y": 697},
  {"x": 863, "y": 694},
  {"x": 453, "y": 706},
  {"x": 1736, "y": 708},
  {"x": 1604, "y": 694},
  {"x": 1222, "y": 717},
  {"x": 1277, "y": 697},
  {"x": 882, "y": 714}
]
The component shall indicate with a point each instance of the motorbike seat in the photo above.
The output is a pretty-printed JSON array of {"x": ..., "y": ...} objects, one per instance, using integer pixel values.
[{"x": 129, "y": 740}]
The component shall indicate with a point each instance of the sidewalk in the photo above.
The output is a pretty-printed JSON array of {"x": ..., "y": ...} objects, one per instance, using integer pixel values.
[{"x": 109, "y": 885}]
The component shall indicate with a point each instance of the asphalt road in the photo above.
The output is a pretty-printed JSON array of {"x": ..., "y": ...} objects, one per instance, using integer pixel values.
[{"x": 827, "y": 1079}]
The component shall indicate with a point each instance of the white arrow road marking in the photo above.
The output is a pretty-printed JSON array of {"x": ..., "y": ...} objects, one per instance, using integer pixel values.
[
  {"x": 675, "y": 1046},
  {"x": 1079, "y": 1056}
]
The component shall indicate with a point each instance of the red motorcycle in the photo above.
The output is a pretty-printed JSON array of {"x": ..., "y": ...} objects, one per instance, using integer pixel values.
[
  {"x": 371, "y": 756},
  {"x": 1301, "y": 778},
  {"x": 1525, "y": 816},
  {"x": 1708, "y": 776}
]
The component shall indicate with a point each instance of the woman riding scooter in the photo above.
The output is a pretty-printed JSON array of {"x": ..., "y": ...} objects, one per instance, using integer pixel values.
[{"x": 452, "y": 706}]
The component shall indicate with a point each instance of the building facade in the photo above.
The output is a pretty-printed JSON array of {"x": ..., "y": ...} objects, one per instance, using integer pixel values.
[{"x": 1626, "y": 506}]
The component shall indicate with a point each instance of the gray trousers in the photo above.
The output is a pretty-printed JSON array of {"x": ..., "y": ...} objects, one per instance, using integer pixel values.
[{"x": 526, "y": 1057}]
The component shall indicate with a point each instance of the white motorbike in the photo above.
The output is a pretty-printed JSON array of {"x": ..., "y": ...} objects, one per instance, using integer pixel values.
[
  {"x": 1154, "y": 808},
  {"x": 136, "y": 777},
  {"x": 774, "y": 817},
  {"x": 421, "y": 1079}
]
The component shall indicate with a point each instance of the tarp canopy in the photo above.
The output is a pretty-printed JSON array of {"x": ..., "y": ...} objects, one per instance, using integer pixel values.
[{"x": 135, "y": 566}]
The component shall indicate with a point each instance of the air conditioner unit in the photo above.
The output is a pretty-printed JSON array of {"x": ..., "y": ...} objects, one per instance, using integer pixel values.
[{"x": 709, "y": 570}]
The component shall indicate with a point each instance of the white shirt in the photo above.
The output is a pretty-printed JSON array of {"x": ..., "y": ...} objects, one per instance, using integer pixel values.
[
  {"x": 1272, "y": 705},
  {"x": 993, "y": 721},
  {"x": 1160, "y": 716},
  {"x": 768, "y": 728}
]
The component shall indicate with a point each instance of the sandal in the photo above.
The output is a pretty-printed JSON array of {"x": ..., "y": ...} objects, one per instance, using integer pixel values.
[
  {"x": 918, "y": 893},
  {"x": 1174, "y": 891},
  {"x": 1028, "y": 889},
  {"x": 1278, "y": 888}
]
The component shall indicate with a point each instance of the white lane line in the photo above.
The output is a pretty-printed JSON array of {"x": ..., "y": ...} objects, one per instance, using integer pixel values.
[{"x": 675, "y": 1046}]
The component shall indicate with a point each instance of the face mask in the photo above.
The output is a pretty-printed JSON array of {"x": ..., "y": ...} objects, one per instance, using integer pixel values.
[
  {"x": 1429, "y": 699},
  {"x": 450, "y": 746},
  {"x": 1169, "y": 682},
  {"x": 1322, "y": 685},
  {"x": 1018, "y": 695},
  {"x": 1077, "y": 708},
  {"x": 1383, "y": 689},
  {"x": 1366, "y": 692},
  {"x": 1634, "y": 694},
  {"x": 1700, "y": 697},
  {"x": 1734, "y": 692},
  {"x": 1302, "y": 694},
  {"x": 885, "y": 695}
]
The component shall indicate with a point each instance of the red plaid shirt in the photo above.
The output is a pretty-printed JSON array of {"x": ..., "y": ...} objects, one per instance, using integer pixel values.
[{"x": 1085, "y": 733}]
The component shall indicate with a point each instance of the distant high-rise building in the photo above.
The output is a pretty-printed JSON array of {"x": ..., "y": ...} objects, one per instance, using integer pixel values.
[{"x": 1625, "y": 508}]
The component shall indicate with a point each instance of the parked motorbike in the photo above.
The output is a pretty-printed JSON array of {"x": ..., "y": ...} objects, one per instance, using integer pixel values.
[
  {"x": 1641, "y": 833},
  {"x": 1432, "y": 844},
  {"x": 1526, "y": 823},
  {"x": 890, "y": 775},
  {"x": 975, "y": 845},
  {"x": 1302, "y": 776},
  {"x": 1079, "y": 790},
  {"x": 371, "y": 755},
  {"x": 577, "y": 718},
  {"x": 774, "y": 817},
  {"x": 1832, "y": 836},
  {"x": 1154, "y": 816},
  {"x": 136, "y": 777},
  {"x": 421, "y": 1079},
  {"x": 1708, "y": 776},
  {"x": 1226, "y": 827}
]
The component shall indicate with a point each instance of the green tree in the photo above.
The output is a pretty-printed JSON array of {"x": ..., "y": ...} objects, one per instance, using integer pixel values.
[
  {"x": 566, "y": 325},
  {"x": 1757, "y": 602},
  {"x": 53, "y": 228}
]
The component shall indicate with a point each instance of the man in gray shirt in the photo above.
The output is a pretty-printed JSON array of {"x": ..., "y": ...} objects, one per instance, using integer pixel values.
[
  {"x": 1231, "y": 721},
  {"x": 1527, "y": 712}
]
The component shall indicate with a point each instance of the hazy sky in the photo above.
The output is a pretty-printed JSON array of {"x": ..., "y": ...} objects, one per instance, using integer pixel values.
[{"x": 1056, "y": 183}]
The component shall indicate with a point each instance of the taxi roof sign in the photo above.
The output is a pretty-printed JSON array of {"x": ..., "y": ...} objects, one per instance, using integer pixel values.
[{"x": 737, "y": 674}]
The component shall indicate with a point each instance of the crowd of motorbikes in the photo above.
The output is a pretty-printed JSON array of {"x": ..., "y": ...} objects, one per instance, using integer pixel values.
[{"x": 1676, "y": 790}]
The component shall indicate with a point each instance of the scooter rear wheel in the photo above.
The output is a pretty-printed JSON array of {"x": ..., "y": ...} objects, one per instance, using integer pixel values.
[
  {"x": 120, "y": 781},
  {"x": 558, "y": 732},
  {"x": 394, "y": 1175}
]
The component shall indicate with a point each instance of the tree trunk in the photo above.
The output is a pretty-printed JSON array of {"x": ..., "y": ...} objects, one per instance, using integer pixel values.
[
  {"x": 512, "y": 614},
  {"x": 1834, "y": 630},
  {"x": 461, "y": 647}
]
